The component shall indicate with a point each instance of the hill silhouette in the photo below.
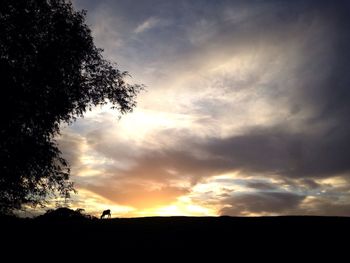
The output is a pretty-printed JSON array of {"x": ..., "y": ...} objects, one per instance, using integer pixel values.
[
  {"x": 284, "y": 233},
  {"x": 64, "y": 214}
]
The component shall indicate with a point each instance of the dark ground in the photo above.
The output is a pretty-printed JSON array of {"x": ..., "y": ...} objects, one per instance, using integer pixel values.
[{"x": 230, "y": 235}]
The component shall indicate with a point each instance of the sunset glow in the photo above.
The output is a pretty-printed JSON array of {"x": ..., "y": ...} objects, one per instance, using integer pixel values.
[{"x": 245, "y": 111}]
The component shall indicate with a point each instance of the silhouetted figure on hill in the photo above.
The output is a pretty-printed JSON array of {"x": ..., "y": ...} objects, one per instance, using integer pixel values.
[{"x": 106, "y": 213}]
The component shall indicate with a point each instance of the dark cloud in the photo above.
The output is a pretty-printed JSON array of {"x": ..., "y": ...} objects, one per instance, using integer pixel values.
[
  {"x": 69, "y": 144},
  {"x": 261, "y": 202},
  {"x": 321, "y": 145},
  {"x": 286, "y": 204},
  {"x": 275, "y": 151},
  {"x": 258, "y": 185},
  {"x": 310, "y": 184},
  {"x": 325, "y": 206}
]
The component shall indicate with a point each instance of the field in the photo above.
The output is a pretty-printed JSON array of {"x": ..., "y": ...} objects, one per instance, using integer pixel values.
[{"x": 181, "y": 232}]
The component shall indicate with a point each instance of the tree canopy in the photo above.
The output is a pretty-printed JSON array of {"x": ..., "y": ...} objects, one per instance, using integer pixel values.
[{"x": 51, "y": 73}]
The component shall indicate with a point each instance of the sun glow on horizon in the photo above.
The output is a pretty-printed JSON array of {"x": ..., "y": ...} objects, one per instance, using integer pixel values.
[{"x": 229, "y": 121}]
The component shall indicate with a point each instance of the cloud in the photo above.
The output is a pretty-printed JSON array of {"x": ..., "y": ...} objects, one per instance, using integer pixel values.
[
  {"x": 259, "y": 89},
  {"x": 277, "y": 151},
  {"x": 285, "y": 203},
  {"x": 137, "y": 194},
  {"x": 70, "y": 146},
  {"x": 261, "y": 185},
  {"x": 326, "y": 206},
  {"x": 262, "y": 202},
  {"x": 148, "y": 24}
]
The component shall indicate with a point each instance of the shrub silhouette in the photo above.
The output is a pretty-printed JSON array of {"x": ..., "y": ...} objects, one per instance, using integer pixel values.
[{"x": 64, "y": 213}]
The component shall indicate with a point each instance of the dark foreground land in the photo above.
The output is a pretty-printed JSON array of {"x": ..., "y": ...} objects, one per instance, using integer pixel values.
[
  {"x": 286, "y": 235},
  {"x": 177, "y": 228}
]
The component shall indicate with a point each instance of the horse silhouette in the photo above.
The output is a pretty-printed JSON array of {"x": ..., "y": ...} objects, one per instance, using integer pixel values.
[{"x": 106, "y": 213}]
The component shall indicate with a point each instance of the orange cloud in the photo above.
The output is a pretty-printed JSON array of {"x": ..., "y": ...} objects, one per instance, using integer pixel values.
[{"x": 138, "y": 195}]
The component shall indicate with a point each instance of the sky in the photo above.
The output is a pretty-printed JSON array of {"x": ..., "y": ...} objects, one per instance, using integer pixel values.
[{"x": 245, "y": 113}]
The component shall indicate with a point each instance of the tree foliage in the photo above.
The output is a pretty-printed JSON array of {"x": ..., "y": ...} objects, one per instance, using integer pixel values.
[{"x": 51, "y": 72}]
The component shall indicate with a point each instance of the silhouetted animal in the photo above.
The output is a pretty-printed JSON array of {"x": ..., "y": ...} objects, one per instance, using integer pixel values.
[{"x": 106, "y": 213}]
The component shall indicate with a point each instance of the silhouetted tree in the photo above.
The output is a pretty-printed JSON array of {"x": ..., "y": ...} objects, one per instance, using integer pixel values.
[{"x": 51, "y": 72}]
